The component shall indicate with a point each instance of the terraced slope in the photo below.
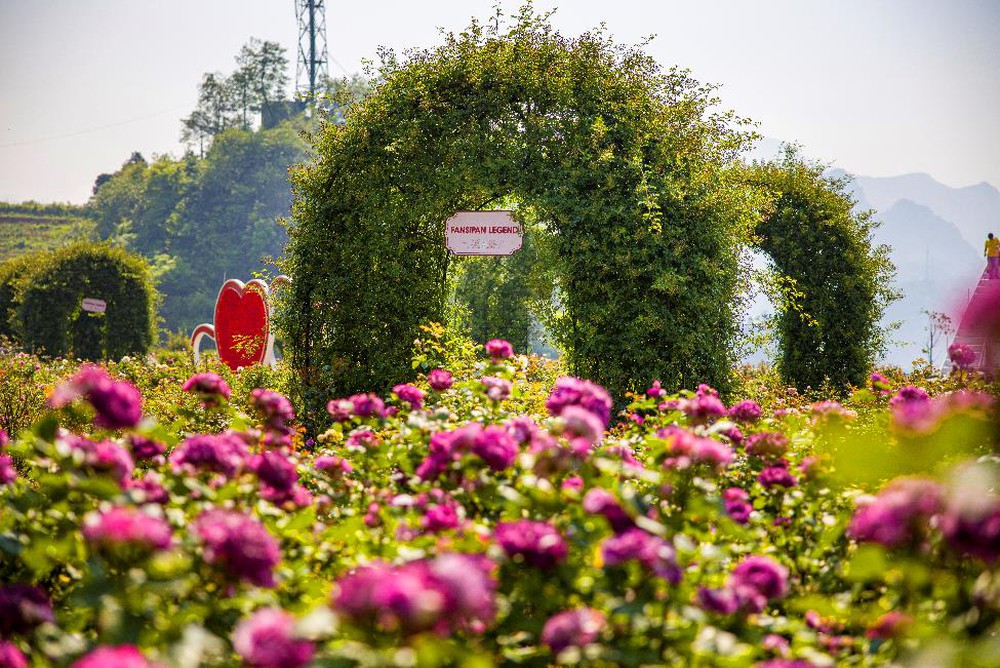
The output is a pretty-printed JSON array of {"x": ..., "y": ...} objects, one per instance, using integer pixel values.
[{"x": 26, "y": 228}]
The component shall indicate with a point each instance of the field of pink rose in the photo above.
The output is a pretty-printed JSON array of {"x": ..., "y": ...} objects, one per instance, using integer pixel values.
[{"x": 495, "y": 512}]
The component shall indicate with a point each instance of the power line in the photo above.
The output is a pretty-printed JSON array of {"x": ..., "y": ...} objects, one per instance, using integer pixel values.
[{"x": 91, "y": 130}]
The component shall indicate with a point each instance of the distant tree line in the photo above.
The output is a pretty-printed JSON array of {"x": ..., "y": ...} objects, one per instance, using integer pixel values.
[{"x": 215, "y": 213}]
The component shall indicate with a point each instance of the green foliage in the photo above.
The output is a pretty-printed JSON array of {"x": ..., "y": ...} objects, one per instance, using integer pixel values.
[
  {"x": 498, "y": 294},
  {"x": 200, "y": 221},
  {"x": 837, "y": 282},
  {"x": 11, "y": 274},
  {"x": 631, "y": 168},
  {"x": 48, "y": 300}
]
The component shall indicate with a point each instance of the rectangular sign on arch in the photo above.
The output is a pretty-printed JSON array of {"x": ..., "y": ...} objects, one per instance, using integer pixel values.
[{"x": 483, "y": 233}]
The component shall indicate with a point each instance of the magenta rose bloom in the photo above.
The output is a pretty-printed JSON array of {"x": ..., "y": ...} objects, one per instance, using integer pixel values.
[
  {"x": 276, "y": 414},
  {"x": 267, "y": 639},
  {"x": 150, "y": 488},
  {"x": 117, "y": 404},
  {"x": 119, "y": 656},
  {"x": 411, "y": 395},
  {"x": 8, "y": 474},
  {"x": 899, "y": 515},
  {"x": 704, "y": 406},
  {"x": 496, "y": 447},
  {"x": 498, "y": 349},
  {"x": 452, "y": 591},
  {"x": 880, "y": 384},
  {"x": 224, "y": 453},
  {"x": 210, "y": 388},
  {"x": 277, "y": 475},
  {"x": 334, "y": 465},
  {"x": 757, "y": 580},
  {"x": 368, "y": 405},
  {"x": 776, "y": 476},
  {"x": 239, "y": 546},
  {"x": 975, "y": 532},
  {"x": 363, "y": 439},
  {"x": 913, "y": 410},
  {"x": 721, "y": 601},
  {"x": 652, "y": 552},
  {"x": 961, "y": 355},
  {"x": 440, "y": 517},
  {"x": 22, "y": 608},
  {"x": 579, "y": 423},
  {"x": 104, "y": 457},
  {"x": 599, "y": 501},
  {"x": 469, "y": 586},
  {"x": 539, "y": 544},
  {"x": 570, "y": 391},
  {"x": 447, "y": 447},
  {"x": 767, "y": 445},
  {"x": 685, "y": 449},
  {"x": 11, "y": 656},
  {"x": 124, "y": 526},
  {"x": 439, "y": 380},
  {"x": 655, "y": 391},
  {"x": 737, "y": 503},
  {"x": 572, "y": 628},
  {"x": 746, "y": 411},
  {"x": 145, "y": 448}
]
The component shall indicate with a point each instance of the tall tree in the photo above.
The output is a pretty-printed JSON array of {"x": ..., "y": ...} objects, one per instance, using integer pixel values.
[
  {"x": 216, "y": 111},
  {"x": 235, "y": 101}
]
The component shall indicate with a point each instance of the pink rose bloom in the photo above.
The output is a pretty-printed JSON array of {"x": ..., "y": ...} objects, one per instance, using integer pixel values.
[
  {"x": 539, "y": 544},
  {"x": 119, "y": 656},
  {"x": 210, "y": 388},
  {"x": 498, "y": 349},
  {"x": 572, "y": 628},
  {"x": 439, "y": 380},
  {"x": 117, "y": 404},
  {"x": 123, "y": 525},
  {"x": 414, "y": 396},
  {"x": 267, "y": 640}
]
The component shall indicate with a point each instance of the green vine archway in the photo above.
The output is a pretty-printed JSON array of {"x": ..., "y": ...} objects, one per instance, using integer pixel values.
[
  {"x": 634, "y": 171},
  {"x": 828, "y": 330},
  {"x": 48, "y": 303}
]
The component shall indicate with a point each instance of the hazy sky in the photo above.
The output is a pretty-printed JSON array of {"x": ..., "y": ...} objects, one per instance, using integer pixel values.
[{"x": 877, "y": 87}]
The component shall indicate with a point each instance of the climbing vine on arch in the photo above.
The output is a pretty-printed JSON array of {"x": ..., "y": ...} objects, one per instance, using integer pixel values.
[{"x": 831, "y": 335}]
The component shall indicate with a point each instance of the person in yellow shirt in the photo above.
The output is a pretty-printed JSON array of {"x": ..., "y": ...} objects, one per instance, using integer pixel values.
[{"x": 992, "y": 253}]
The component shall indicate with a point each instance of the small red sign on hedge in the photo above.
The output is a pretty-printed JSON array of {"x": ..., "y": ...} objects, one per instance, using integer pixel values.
[{"x": 482, "y": 233}]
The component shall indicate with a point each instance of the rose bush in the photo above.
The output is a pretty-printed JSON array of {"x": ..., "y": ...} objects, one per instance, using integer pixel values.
[{"x": 497, "y": 512}]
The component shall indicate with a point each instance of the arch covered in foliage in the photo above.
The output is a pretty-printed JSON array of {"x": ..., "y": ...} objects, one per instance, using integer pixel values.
[
  {"x": 838, "y": 284},
  {"x": 49, "y": 314},
  {"x": 631, "y": 170}
]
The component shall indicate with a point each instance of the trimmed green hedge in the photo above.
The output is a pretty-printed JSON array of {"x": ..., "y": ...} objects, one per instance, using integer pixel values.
[{"x": 41, "y": 296}]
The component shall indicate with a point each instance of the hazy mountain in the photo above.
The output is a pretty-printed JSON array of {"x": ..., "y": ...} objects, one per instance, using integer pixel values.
[
  {"x": 936, "y": 235},
  {"x": 974, "y": 210},
  {"x": 936, "y": 267}
]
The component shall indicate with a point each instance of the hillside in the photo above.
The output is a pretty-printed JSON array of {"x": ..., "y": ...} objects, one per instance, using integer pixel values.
[{"x": 30, "y": 227}]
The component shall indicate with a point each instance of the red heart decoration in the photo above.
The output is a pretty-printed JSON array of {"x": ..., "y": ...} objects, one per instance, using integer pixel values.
[{"x": 242, "y": 323}]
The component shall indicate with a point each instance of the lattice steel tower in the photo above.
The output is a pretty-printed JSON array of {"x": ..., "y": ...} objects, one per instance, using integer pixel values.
[{"x": 312, "y": 68}]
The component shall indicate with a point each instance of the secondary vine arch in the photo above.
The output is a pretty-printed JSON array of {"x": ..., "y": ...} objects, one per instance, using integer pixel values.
[{"x": 634, "y": 168}]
